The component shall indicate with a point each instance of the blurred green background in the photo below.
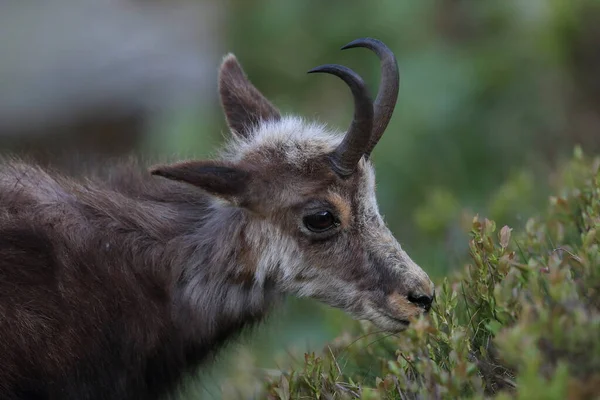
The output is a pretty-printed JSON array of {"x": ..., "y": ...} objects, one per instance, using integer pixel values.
[{"x": 493, "y": 94}]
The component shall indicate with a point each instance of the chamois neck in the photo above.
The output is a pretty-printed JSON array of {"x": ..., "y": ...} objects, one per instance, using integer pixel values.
[
  {"x": 199, "y": 243},
  {"x": 216, "y": 293},
  {"x": 202, "y": 243}
]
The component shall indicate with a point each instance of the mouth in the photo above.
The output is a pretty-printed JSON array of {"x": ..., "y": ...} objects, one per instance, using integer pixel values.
[
  {"x": 386, "y": 320},
  {"x": 395, "y": 319}
]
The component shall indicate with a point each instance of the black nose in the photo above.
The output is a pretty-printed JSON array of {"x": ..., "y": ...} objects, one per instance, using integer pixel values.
[{"x": 422, "y": 301}]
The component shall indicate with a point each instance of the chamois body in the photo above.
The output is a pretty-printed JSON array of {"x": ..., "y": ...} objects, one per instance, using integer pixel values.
[
  {"x": 92, "y": 283},
  {"x": 117, "y": 285}
]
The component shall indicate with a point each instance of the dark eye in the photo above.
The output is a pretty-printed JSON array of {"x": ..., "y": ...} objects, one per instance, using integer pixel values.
[{"x": 321, "y": 221}]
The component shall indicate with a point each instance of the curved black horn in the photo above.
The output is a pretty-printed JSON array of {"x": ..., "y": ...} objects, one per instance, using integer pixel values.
[
  {"x": 388, "y": 88},
  {"x": 346, "y": 156}
]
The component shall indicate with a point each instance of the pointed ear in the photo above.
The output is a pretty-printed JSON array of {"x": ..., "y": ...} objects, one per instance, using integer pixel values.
[
  {"x": 243, "y": 104},
  {"x": 218, "y": 178}
]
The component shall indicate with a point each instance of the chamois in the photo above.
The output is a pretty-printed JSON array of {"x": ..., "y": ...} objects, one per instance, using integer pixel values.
[{"x": 118, "y": 285}]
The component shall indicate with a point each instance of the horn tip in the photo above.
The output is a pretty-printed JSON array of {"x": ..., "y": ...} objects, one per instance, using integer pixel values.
[
  {"x": 362, "y": 42},
  {"x": 320, "y": 68}
]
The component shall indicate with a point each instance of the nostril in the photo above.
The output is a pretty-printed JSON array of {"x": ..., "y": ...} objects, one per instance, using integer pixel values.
[{"x": 421, "y": 300}]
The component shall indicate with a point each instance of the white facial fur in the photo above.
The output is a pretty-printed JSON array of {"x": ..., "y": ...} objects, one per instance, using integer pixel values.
[{"x": 298, "y": 269}]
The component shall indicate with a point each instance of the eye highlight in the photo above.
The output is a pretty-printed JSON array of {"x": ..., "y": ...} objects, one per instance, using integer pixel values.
[{"x": 320, "y": 221}]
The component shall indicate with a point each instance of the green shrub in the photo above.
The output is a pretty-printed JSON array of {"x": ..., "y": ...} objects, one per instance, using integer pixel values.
[{"x": 522, "y": 320}]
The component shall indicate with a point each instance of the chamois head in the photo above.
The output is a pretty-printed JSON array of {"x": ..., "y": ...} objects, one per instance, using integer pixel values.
[{"x": 308, "y": 193}]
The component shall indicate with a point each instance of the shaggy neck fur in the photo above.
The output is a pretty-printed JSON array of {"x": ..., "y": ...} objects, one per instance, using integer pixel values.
[
  {"x": 209, "y": 254},
  {"x": 217, "y": 292},
  {"x": 152, "y": 273}
]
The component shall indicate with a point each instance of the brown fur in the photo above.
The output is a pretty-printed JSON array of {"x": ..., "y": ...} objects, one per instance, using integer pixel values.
[
  {"x": 117, "y": 285},
  {"x": 343, "y": 207},
  {"x": 401, "y": 305}
]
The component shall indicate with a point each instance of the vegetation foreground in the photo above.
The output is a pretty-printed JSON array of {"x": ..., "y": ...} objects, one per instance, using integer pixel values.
[{"x": 521, "y": 321}]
